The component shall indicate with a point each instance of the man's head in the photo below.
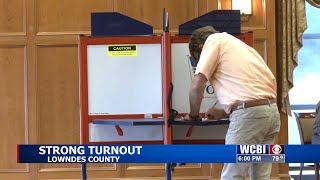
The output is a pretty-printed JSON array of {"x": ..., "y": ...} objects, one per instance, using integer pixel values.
[{"x": 197, "y": 40}]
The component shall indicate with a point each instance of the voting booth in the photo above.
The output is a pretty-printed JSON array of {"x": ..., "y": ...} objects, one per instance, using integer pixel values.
[
  {"x": 123, "y": 83},
  {"x": 134, "y": 86},
  {"x": 121, "y": 91},
  {"x": 182, "y": 72},
  {"x": 211, "y": 132}
]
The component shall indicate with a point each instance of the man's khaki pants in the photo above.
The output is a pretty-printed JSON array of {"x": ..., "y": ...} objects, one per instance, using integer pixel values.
[{"x": 255, "y": 125}]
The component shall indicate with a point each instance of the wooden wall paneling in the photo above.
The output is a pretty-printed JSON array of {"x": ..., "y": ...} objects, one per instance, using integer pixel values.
[
  {"x": 181, "y": 11},
  {"x": 76, "y": 175},
  {"x": 143, "y": 170},
  {"x": 216, "y": 169},
  {"x": 158, "y": 170},
  {"x": 67, "y": 17},
  {"x": 213, "y": 5},
  {"x": 261, "y": 46},
  {"x": 193, "y": 169},
  {"x": 258, "y": 19},
  {"x": 206, "y": 6},
  {"x": 271, "y": 45},
  {"x": 261, "y": 41},
  {"x": 12, "y": 17},
  {"x": 58, "y": 106},
  {"x": 151, "y": 12},
  {"x": 225, "y": 4},
  {"x": 32, "y": 82},
  {"x": 15, "y": 176},
  {"x": 282, "y": 138},
  {"x": 57, "y": 97},
  {"x": 202, "y": 7},
  {"x": 13, "y": 114}
]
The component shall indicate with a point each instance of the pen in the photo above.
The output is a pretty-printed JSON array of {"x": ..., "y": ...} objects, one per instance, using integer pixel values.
[{"x": 215, "y": 104}]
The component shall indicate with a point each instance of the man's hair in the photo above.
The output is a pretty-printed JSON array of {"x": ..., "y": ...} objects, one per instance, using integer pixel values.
[{"x": 199, "y": 36}]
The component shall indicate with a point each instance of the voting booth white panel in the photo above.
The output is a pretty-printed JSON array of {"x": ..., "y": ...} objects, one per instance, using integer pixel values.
[
  {"x": 200, "y": 132},
  {"x": 182, "y": 73},
  {"x": 103, "y": 133},
  {"x": 124, "y": 84}
]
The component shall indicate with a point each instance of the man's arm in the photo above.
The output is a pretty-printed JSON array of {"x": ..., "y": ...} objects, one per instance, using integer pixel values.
[{"x": 196, "y": 93}]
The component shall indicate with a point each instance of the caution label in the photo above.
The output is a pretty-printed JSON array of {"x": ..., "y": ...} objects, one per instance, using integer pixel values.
[{"x": 122, "y": 50}]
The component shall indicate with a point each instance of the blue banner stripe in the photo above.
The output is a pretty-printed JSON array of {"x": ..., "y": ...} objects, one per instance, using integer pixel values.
[{"x": 302, "y": 153}]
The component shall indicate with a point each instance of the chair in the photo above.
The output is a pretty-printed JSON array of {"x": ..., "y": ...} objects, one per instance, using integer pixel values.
[{"x": 305, "y": 122}]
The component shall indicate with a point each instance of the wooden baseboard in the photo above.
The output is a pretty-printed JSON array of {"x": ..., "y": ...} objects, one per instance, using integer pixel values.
[
  {"x": 146, "y": 178},
  {"x": 285, "y": 176}
]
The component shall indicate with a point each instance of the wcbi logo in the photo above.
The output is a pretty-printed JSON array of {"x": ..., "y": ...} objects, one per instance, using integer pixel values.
[
  {"x": 260, "y": 149},
  {"x": 252, "y": 149}
]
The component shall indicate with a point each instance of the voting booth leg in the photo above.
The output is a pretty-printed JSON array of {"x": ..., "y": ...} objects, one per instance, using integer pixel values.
[
  {"x": 84, "y": 171},
  {"x": 168, "y": 171}
]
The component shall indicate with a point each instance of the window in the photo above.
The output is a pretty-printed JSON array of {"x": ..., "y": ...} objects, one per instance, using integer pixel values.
[{"x": 306, "y": 91}]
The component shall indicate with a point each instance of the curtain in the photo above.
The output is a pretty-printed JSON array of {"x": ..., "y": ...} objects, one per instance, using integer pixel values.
[
  {"x": 315, "y": 3},
  {"x": 291, "y": 23}
]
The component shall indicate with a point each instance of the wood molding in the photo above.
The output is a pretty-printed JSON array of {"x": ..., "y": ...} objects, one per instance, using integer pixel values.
[
  {"x": 271, "y": 36},
  {"x": 144, "y": 178},
  {"x": 71, "y": 40},
  {"x": 146, "y": 167},
  {"x": 24, "y": 17},
  {"x": 111, "y": 168},
  {"x": 162, "y": 167},
  {"x": 13, "y": 41},
  {"x": 63, "y": 33},
  {"x": 284, "y": 176},
  {"x": 283, "y": 139},
  {"x": 12, "y": 34},
  {"x": 15, "y": 170},
  {"x": 31, "y": 82}
]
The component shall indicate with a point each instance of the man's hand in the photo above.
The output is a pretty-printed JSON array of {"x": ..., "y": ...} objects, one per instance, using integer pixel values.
[
  {"x": 217, "y": 114},
  {"x": 188, "y": 118}
]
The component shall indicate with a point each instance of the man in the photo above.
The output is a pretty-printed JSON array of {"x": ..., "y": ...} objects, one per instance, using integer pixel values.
[
  {"x": 245, "y": 87},
  {"x": 316, "y": 127}
]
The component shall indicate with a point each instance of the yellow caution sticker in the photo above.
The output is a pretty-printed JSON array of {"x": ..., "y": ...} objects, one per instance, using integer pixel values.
[{"x": 122, "y": 50}]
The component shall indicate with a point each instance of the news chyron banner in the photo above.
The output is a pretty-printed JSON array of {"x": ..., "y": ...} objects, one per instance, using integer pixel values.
[{"x": 268, "y": 153}]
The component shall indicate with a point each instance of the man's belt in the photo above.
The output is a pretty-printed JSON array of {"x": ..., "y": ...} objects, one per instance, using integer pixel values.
[{"x": 253, "y": 103}]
